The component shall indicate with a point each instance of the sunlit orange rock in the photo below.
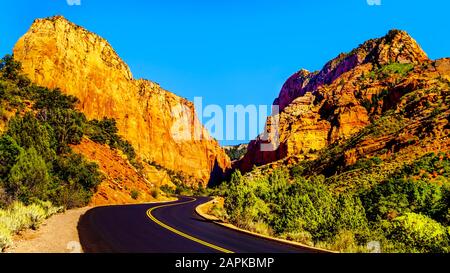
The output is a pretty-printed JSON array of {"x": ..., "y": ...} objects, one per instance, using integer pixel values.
[{"x": 161, "y": 126}]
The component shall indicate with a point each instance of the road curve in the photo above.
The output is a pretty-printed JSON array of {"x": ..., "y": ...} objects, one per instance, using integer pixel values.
[{"x": 167, "y": 228}]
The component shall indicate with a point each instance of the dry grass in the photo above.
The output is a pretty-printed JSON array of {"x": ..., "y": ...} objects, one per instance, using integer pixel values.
[{"x": 18, "y": 217}]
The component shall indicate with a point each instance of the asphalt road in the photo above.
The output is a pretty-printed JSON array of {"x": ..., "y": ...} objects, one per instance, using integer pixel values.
[{"x": 167, "y": 228}]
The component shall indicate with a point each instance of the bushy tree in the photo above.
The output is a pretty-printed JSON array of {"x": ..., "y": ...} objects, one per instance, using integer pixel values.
[
  {"x": 52, "y": 99},
  {"x": 351, "y": 214},
  {"x": 75, "y": 168},
  {"x": 12, "y": 70},
  {"x": 235, "y": 195},
  {"x": 75, "y": 180},
  {"x": 28, "y": 132},
  {"x": 105, "y": 132},
  {"x": 314, "y": 204},
  {"x": 67, "y": 127},
  {"x": 29, "y": 178}
]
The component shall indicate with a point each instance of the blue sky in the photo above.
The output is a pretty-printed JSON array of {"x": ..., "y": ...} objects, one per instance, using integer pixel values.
[{"x": 234, "y": 52}]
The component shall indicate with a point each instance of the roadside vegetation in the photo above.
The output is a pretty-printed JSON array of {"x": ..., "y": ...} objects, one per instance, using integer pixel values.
[
  {"x": 182, "y": 184},
  {"x": 407, "y": 212},
  {"x": 180, "y": 188},
  {"x": 18, "y": 217}
]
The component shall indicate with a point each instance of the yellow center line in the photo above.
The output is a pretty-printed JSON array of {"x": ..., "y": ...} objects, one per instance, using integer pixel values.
[{"x": 187, "y": 236}]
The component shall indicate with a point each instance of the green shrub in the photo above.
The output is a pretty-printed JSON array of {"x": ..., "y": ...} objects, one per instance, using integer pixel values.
[
  {"x": 75, "y": 180},
  {"x": 309, "y": 206},
  {"x": 155, "y": 193},
  {"x": 428, "y": 164},
  {"x": 257, "y": 226},
  {"x": 419, "y": 233},
  {"x": 37, "y": 214},
  {"x": 134, "y": 194},
  {"x": 105, "y": 132},
  {"x": 236, "y": 152},
  {"x": 5, "y": 198},
  {"x": 71, "y": 195},
  {"x": 74, "y": 168},
  {"x": 396, "y": 68},
  {"x": 218, "y": 211},
  {"x": 400, "y": 195},
  {"x": 241, "y": 201},
  {"x": 365, "y": 163},
  {"x": 167, "y": 189},
  {"x": 344, "y": 241},
  {"x": 297, "y": 170},
  {"x": 48, "y": 207},
  {"x": 350, "y": 214},
  {"x": 298, "y": 204}
]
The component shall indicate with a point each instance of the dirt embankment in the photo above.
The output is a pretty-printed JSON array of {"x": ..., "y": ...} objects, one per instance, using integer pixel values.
[{"x": 122, "y": 183}]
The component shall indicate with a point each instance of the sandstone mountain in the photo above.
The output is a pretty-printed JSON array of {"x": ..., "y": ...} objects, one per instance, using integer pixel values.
[
  {"x": 383, "y": 97},
  {"x": 162, "y": 127}
]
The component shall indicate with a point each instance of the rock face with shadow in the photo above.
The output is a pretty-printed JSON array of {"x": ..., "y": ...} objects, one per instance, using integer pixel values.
[{"x": 161, "y": 126}]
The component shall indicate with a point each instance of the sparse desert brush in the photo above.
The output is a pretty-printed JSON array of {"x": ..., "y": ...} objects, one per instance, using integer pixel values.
[
  {"x": 15, "y": 218},
  {"x": 218, "y": 211},
  {"x": 258, "y": 226},
  {"x": 36, "y": 215},
  {"x": 300, "y": 236},
  {"x": 49, "y": 208},
  {"x": 344, "y": 241},
  {"x": 5, "y": 237},
  {"x": 18, "y": 217}
]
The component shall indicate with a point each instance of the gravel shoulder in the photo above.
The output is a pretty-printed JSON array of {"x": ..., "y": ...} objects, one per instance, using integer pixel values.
[{"x": 58, "y": 234}]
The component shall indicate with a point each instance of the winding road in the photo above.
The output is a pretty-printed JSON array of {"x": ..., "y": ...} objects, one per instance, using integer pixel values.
[{"x": 171, "y": 227}]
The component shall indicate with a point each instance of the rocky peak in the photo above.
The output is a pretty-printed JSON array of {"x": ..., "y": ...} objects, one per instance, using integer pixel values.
[
  {"x": 395, "y": 47},
  {"x": 63, "y": 32},
  {"x": 352, "y": 92},
  {"x": 59, "y": 54}
]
